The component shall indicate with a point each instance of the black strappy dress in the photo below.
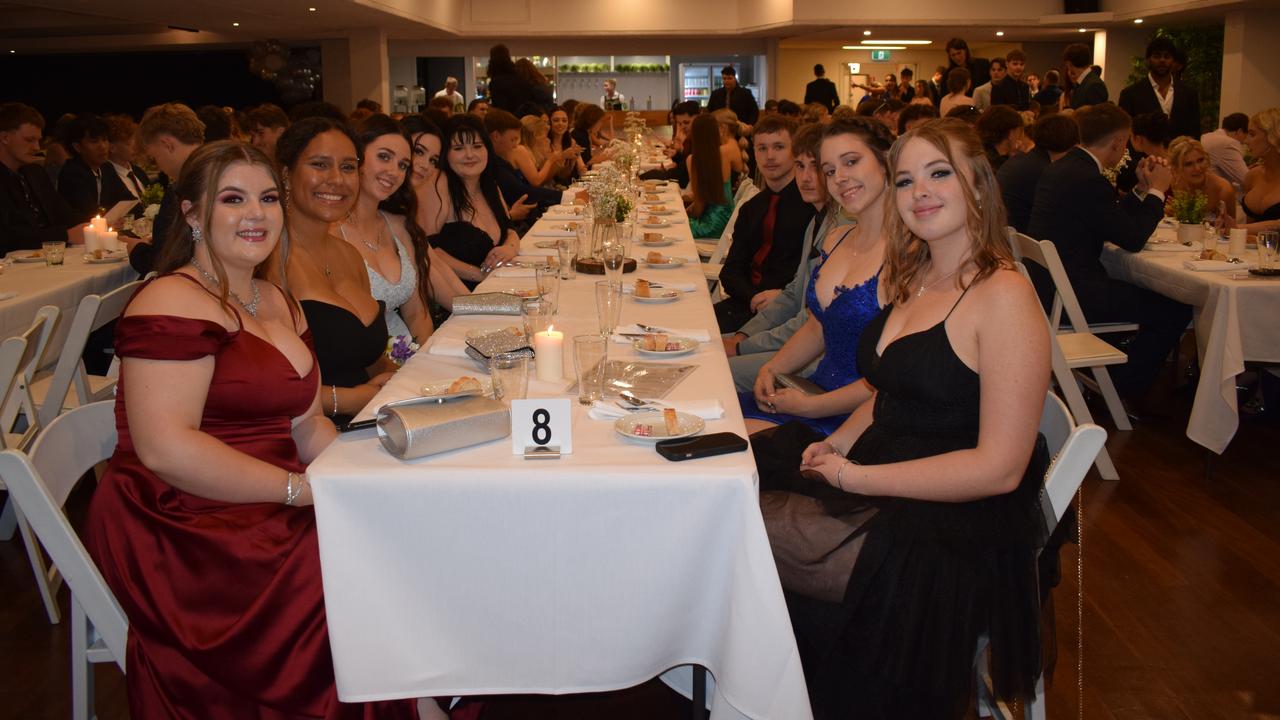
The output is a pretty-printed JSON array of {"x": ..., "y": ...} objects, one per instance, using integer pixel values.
[{"x": 888, "y": 596}]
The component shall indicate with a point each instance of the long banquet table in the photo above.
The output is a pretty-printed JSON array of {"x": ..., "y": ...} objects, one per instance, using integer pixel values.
[
  {"x": 478, "y": 572},
  {"x": 1235, "y": 321},
  {"x": 63, "y": 285}
]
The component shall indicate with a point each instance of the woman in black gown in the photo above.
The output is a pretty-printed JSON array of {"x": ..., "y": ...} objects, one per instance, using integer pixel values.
[
  {"x": 913, "y": 529},
  {"x": 321, "y": 168}
]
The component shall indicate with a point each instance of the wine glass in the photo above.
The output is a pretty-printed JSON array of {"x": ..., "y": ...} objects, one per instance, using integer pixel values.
[{"x": 614, "y": 254}]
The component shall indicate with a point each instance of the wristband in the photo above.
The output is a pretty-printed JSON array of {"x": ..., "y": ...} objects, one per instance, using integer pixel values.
[{"x": 335, "y": 400}]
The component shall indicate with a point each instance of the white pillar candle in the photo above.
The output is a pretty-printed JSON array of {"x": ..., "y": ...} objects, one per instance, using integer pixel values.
[
  {"x": 92, "y": 241},
  {"x": 110, "y": 240},
  {"x": 99, "y": 223},
  {"x": 548, "y": 353}
]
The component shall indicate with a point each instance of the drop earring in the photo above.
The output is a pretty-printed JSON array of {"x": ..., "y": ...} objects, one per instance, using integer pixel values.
[{"x": 196, "y": 235}]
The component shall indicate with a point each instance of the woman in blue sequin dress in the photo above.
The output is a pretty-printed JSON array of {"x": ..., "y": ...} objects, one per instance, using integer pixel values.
[{"x": 843, "y": 293}]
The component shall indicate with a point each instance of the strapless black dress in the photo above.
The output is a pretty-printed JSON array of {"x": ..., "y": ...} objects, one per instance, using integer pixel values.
[{"x": 344, "y": 346}]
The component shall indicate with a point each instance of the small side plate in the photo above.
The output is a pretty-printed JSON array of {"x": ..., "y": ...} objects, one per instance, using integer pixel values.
[{"x": 649, "y": 427}]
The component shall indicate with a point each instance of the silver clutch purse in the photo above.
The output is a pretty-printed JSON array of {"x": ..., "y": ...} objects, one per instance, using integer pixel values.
[
  {"x": 493, "y": 303},
  {"x": 482, "y": 347},
  {"x": 417, "y": 429}
]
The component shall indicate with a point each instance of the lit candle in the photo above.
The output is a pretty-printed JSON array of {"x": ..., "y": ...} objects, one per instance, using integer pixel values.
[
  {"x": 92, "y": 241},
  {"x": 99, "y": 223},
  {"x": 548, "y": 354},
  {"x": 109, "y": 239}
]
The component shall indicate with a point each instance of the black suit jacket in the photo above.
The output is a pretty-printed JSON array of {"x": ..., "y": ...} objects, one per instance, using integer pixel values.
[
  {"x": 78, "y": 186},
  {"x": 979, "y": 74},
  {"x": 1079, "y": 210},
  {"x": 779, "y": 265},
  {"x": 1091, "y": 92},
  {"x": 144, "y": 255},
  {"x": 1011, "y": 92},
  {"x": 1018, "y": 178},
  {"x": 21, "y": 226},
  {"x": 1140, "y": 99},
  {"x": 743, "y": 103},
  {"x": 823, "y": 92}
]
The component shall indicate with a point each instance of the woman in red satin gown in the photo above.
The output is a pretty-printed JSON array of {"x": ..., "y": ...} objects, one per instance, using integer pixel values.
[{"x": 202, "y": 524}]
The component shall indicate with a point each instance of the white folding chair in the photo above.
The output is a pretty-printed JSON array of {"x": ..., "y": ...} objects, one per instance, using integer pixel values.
[
  {"x": 1072, "y": 449},
  {"x": 1055, "y": 312},
  {"x": 52, "y": 393},
  {"x": 1077, "y": 349},
  {"x": 708, "y": 249},
  {"x": 19, "y": 356},
  {"x": 711, "y": 269},
  {"x": 40, "y": 483}
]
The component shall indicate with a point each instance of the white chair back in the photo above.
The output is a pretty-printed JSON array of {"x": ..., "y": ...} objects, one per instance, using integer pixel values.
[
  {"x": 15, "y": 391},
  {"x": 93, "y": 312},
  {"x": 746, "y": 191},
  {"x": 1073, "y": 448},
  {"x": 1045, "y": 254},
  {"x": 64, "y": 451}
]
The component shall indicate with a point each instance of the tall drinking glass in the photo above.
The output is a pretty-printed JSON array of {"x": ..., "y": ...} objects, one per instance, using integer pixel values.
[
  {"x": 567, "y": 250},
  {"x": 549, "y": 285},
  {"x": 608, "y": 305},
  {"x": 614, "y": 255},
  {"x": 536, "y": 314},
  {"x": 1268, "y": 247},
  {"x": 589, "y": 355},
  {"x": 510, "y": 375}
]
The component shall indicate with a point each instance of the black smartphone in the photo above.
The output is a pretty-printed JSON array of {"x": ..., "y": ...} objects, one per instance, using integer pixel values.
[{"x": 700, "y": 446}]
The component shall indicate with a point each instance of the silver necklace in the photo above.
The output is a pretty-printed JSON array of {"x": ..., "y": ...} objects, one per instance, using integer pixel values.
[
  {"x": 924, "y": 285},
  {"x": 249, "y": 307},
  {"x": 376, "y": 246}
]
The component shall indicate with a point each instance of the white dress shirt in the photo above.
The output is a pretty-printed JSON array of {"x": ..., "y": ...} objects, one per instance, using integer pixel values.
[
  {"x": 1166, "y": 101},
  {"x": 1226, "y": 157}
]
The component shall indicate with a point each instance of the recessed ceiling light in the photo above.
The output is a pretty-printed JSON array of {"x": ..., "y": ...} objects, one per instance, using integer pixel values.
[
  {"x": 311, "y": 9},
  {"x": 11, "y": 52},
  {"x": 999, "y": 33},
  {"x": 866, "y": 32},
  {"x": 897, "y": 42},
  {"x": 875, "y": 47},
  {"x": 1082, "y": 30},
  {"x": 1137, "y": 21},
  {"x": 235, "y": 24}
]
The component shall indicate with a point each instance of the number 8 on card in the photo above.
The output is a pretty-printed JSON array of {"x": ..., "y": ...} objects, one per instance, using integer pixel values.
[{"x": 541, "y": 422}]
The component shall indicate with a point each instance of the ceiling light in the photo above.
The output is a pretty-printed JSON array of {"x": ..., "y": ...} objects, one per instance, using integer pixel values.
[
  {"x": 311, "y": 9},
  {"x": 1081, "y": 30},
  {"x": 235, "y": 24},
  {"x": 999, "y": 33},
  {"x": 1137, "y": 21},
  {"x": 897, "y": 42},
  {"x": 866, "y": 32},
  {"x": 875, "y": 47}
]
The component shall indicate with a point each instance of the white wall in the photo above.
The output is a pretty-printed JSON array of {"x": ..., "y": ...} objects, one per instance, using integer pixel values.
[{"x": 1250, "y": 81}]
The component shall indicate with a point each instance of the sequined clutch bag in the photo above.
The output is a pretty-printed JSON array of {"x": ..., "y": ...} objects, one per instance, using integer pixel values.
[
  {"x": 417, "y": 429},
  {"x": 482, "y": 347},
  {"x": 493, "y": 303}
]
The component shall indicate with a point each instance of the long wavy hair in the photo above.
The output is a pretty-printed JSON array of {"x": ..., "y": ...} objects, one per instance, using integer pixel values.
[
  {"x": 708, "y": 173},
  {"x": 907, "y": 255},
  {"x": 197, "y": 184},
  {"x": 467, "y": 129},
  {"x": 403, "y": 201}
]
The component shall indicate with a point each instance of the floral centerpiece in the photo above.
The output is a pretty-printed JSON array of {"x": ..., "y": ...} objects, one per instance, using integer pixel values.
[{"x": 150, "y": 198}]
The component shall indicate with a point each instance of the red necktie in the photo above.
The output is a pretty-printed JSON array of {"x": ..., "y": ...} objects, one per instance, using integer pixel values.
[{"x": 766, "y": 245}]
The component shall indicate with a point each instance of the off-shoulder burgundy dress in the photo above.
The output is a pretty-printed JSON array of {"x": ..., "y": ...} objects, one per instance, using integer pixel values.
[{"x": 225, "y": 606}]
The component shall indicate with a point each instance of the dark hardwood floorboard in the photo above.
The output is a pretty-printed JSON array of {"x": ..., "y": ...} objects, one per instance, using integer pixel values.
[{"x": 1181, "y": 612}]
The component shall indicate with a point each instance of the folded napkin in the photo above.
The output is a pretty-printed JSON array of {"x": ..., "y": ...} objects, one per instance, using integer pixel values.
[
  {"x": 553, "y": 216},
  {"x": 692, "y": 333},
  {"x": 630, "y": 288},
  {"x": 1154, "y": 246},
  {"x": 669, "y": 219},
  {"x": 531, "y": 249},
  {"x": 542, "y": 229},
  {"x": 8, "y": 295},
  {"x": 513, "y": 272},
  {"x": 705, "y": 409},
  {"x": 447, "y": 346},
  {"x": 1214, "y": 265}
]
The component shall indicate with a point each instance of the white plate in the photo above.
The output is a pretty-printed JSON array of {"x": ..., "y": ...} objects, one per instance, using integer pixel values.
[
  {"x": 664, "y": 211},
  {"x": 659, "y": 224},
  {"x": 627, "y": 424},
  {"x": 654, "y": 184},
  {"x": 105, "y": 259},
  {"x": 685, "y": 346},
  {"x": 665, "y": 296},
  {"x": 672, "y": 262},
  {"x": 547, "y": 244},
  {"x": 664, "y": 242},
  {"x": 522, "y": 293},
  {"x": 439, "y": 389},
  {"x": 27, "y": 256}
]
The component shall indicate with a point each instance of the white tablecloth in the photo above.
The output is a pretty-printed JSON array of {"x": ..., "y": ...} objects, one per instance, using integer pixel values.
[
  {"x": 61, "y": 285},
  {"x": 1237, "y": 318},
  {"x": 479, "y": 572}
]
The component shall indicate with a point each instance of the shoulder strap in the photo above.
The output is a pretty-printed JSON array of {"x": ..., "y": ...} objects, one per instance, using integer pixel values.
[{"x": 957, "y": 302}]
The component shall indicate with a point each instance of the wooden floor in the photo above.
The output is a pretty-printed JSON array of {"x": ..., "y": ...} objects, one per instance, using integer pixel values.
[{"x": 1181, "y": 602}]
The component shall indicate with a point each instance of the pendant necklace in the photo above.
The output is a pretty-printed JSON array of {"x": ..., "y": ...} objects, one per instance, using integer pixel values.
[
  {"x": 249, "y": 307},
  {"x": 924, "y": 285}
]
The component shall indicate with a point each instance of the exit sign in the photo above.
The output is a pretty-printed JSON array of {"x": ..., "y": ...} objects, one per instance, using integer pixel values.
[{"x": 879, "y": 55}]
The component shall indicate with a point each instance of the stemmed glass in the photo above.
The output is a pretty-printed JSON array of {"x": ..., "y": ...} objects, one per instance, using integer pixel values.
[{"x": 614, "y": 255}]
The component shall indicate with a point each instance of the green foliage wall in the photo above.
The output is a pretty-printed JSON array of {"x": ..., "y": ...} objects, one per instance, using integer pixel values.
[{"x": 1203, "y": 47}]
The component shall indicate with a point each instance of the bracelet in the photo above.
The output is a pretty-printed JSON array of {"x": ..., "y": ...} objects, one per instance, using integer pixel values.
[
  {"x": 335, "y": 400},
  {"x": 839, "y": 480},
  {"x": 292, "y": 489}
]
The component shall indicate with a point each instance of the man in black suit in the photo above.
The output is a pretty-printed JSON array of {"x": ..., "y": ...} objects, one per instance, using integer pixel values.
[
  {"x": 735, "y": 97},
  {"x": 169, "y": 133},
  {"x": 87, "y": 181},
  {"x": 768, "y": 236},
  {"x": 1078, "y": 209},
  {"x": 821, "y": 90},
  {"x": 1160, "y": 92},
  {"x": 1054, "y": 135},
  {"x": 31, "y": 210},
  {"x": 1087, "y": 86},
  {"x": 1012, "y": 90}
]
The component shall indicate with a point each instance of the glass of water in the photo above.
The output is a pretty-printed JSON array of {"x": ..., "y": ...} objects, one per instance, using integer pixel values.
[
  {"x": 1268, "y": 247},
  {"x": 510, "y": 375},
  {"x": 608, "y": 305},
  {"x": 614, "y": 255}
]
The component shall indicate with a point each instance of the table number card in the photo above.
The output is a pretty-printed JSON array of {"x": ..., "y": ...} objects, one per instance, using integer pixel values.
[{"x": 542, "y": 422}]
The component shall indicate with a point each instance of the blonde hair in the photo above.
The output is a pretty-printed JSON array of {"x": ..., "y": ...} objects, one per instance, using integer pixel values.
[
  {"x": 907, "y": 255},
  {"x": 531, "y": 127},
  {"x": 173, "y": 119},
  {"x": 1180, "y": 148},
  {"x": 729, "y": 119},
  {"x": 1269, "y": 122}
]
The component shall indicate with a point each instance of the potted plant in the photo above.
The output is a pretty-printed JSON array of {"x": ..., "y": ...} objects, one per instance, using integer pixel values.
[{"x": 1189, "y": 210}]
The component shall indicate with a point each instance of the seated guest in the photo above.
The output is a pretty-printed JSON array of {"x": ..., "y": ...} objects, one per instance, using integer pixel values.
[
  {"x": 886, "y": 113},
  {"x": 1161, "y": 92},
  {"x": 1000, "y": 129},
  {"x": 1079, "y": 210},
  {"x": 842, "y": 296},
  {"x": 217, "y": 124},
  {"x": 732, "y": 145},
  {"x": 426, "y": 142},
  {"x": 1225, "y": 147},
  {"x": 1190, "y": 164},
  {"x": 1087, "y": 87},
  {"x": 958, "y": 86},
  {"x": 122, "y": 132},
  {"x": 218, "y": 419},
  {"x": 441, "y": 105},
  {"x": 525, "y": 199},
  {"x": 710, "y": 195},
  {"x": 535, "y": 150},
  {"x": 1261, "y": 198},
  {"x": 768, "y": 236},
  {"x": 478, "y": 107},
  {"x": 814, "y": 113},
  {"x": 1054, "y": 135},
  {"x": 266, "y": 123},
  {"x": 788, "y": 108},
  {"x": 1150, "y": 138},
  {"x": 31, "y": 210},
  {"x": 321, "y": 170},
  {"x": 465, "y": 215},
  {"x": 83, "y": 183},
  {"x": 1012, "y": 90},
  {"x": 779, "y": 318},
  {"x": 168, "y": 134},
  {"x": 588, "y": 128},
  {"x": 915, "y": 115},
  {"x": 913, "y": 530},
  {"x": 923, "y": 94},
  {"x": 561, "y": 140},
  {"x": 392, "y": 244},
  {"x": 316, "y": 108}
]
